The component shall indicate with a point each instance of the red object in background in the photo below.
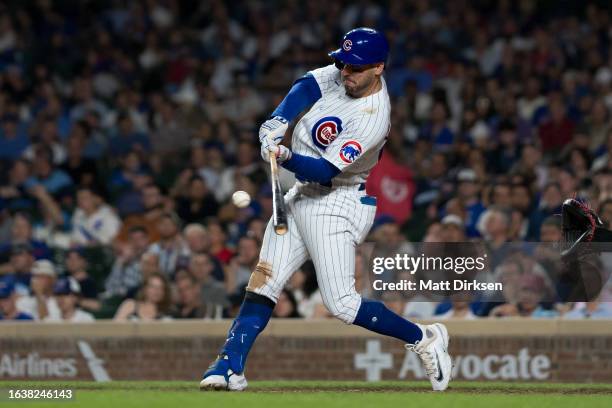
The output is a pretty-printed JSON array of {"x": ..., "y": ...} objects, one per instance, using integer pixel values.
[
  {"x": 555, "y": 135},
  {"x": 224, "y": 256},
  {"x": 393, "y": 186}
]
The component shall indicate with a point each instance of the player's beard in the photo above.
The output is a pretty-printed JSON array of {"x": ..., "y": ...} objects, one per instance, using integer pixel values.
[{"x": 355, "y": 89}]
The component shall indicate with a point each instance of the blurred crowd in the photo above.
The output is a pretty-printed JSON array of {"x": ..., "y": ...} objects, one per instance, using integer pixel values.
[{"x": 125, "y": 126}]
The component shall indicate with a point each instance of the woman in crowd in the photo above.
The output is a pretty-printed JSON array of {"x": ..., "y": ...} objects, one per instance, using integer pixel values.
[{"x": 153, "y": 302}]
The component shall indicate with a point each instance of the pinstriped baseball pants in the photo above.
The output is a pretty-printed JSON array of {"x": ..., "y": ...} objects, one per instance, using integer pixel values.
[{"x": 325, "y": 225}]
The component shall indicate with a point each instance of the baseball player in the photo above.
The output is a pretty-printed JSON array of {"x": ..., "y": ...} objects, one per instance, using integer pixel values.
[{"x": 334, "y": 147}]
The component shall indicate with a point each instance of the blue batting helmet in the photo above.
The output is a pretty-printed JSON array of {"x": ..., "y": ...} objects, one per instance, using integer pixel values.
[{"x": 362, "y": 46}]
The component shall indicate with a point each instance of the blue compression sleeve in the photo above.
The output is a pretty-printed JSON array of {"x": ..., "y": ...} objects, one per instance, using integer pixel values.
[
  {"x": 311, "y": 169},
  {"x": 304, "y": 92},
  {"x": 251, "y": 320},
  {"x": 374, "y": 315}
]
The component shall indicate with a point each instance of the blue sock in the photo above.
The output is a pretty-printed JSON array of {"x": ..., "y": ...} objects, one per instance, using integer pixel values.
[
  {"x": 251, "y": 320},
  {"x": 374, "y": 315}
]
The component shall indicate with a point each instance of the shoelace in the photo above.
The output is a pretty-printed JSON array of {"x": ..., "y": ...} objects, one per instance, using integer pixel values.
[{"x": 425, "y": 356}]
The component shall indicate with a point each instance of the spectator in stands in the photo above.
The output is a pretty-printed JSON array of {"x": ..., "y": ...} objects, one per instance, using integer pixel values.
[
  {"x": 501, "y": 195},
  {"x": 604, "y": 154},
  {"x": 196, "y": 238},
  {"x": 19, "y": 267},
  {"x": 248, "y": 164},
  {"x": 126, "y": 274},
  {"x": 531, "y": 166},
  {"x": 392, "y": 181},
  {"x": 211, "y": 168},
  {"x": 171, "y": 249},
  {"x": 82, "y": 170},
  {"x": 8, "y": 299},
  {"x": 47, "y": 137},
  {"x": 190, "y": 304},
  {"x": 94, "y": 222},
  {"x": 13, "y": 138},
  {"x": 196, "y": 203},
  {"x": 507, "y": 153},
  {"x": 170, "y": 135},
  {"x": 494, "y": 225},
  {"x": 152, "y": 210},
  {"x": 13, "y": 193},
  {"x": 286, "y": 306},
  {"x": 257, "y": 228},
  {"x": 128, "y": 139},
  {"x": 557, "y": 130},
  {"x": 154, "y": 301},
  {"x": 453, "y": 229},
  {"x": 303, "y": 284},
  {"x": 520, "y": 197},
  {"x": 533, "y": 292},
  {"x": 551, "y": 230},
  {"x": 431, "y": 183},
  {"x": 605, "y": 211},
  {"x": 532, "y": 100},
  {"x": 21, "y": 233},
  {"x": 568, "y": 182},
  {"x": 239, "y": 270},
  {"x": 53, "y": 179},
  {"x": 76, "y": 267},
  {"x": 468, "y": 191},
  {"x": 550, "y": 204},
  {"x": 437, "y": 130},
  {"x": 149, "y": 265},
  {"x": 41, "y": 303},
  {"x": 129, "y": 178},
  {"x": 460, "y": 308},
  {"x": 590, "y": 310},
  {"x": 67, "y": 291},
  {"x": 218, "y": 245},
  {"x": 213, "y": 293}
]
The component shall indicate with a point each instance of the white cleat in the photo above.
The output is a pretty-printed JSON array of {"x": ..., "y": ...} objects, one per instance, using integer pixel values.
[
  {"x": 219, "y": 383},
  {"x": 433, "y": 352},
  {"x": 213, "y": 383},
  {"x": 237, "y": 383},
  {"x": 219, "y": 377}
]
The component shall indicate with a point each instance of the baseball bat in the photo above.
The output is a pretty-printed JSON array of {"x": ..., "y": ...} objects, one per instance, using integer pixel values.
[{"x": 279, "y": 211}]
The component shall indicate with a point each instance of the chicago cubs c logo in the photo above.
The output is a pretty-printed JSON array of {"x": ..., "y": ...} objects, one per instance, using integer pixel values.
[
  {"x": 350, "y": 151},
  {"x": 347, "y": 45},
  {"x": 325, "y": 131}
]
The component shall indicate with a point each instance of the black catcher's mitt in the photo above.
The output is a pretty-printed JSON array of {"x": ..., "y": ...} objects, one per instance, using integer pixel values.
[{"x": 579, "y": 225}]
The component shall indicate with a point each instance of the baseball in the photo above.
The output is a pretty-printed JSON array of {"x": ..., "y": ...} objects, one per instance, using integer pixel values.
[{"x": 241, "y": 199}]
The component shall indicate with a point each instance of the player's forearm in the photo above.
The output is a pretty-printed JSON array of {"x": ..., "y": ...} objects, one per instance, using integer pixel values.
[
  {"x": 304, "y": 92},
  {"x": 311, "y": 169}
]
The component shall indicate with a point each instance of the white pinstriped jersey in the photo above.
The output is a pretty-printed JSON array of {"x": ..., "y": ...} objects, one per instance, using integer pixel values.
[
  {"x": 348, "y": 132},
  {"x": 326, "y": 224}
]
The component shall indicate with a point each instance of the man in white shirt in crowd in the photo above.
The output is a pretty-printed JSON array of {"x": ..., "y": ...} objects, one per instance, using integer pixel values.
[
  {"x": 41, "y": 303},
  {"x": 67, "y": 292}
]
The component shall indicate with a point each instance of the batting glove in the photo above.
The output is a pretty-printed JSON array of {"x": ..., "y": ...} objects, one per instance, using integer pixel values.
[
  {"x": 273, "y": 130},
  {"x": 282, "y": 153}
]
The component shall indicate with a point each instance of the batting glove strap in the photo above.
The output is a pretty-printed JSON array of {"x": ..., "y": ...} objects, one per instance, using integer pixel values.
[{"x": 273, "y": 129}]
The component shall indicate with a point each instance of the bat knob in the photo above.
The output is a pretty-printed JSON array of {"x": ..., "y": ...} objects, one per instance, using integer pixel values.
[{"x": 281, "y": 229}]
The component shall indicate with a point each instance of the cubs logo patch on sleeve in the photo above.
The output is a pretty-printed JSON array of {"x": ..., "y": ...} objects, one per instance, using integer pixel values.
[
  {"x": 350, "y": 151},
  {"x": 325, "y": 131}
]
